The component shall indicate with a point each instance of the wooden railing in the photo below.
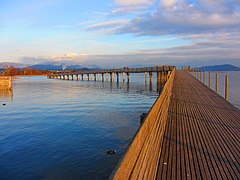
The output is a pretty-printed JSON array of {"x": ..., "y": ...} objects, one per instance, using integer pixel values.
[
  {"x": 118, "y": 70},
  {"x": 141, "y": 159}
]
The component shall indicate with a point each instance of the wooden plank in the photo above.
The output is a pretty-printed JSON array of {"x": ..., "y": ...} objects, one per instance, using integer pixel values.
[
  {"x": 208, "y": 134},
  {"x": 141, "y": 160},
  {"x": 199, "y": 137}
]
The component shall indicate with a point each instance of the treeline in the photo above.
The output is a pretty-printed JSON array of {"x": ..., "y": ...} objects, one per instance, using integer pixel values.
[{"x": 12, "y": 71}]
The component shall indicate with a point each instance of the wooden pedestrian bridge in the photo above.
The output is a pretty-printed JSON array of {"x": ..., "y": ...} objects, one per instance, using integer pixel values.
[{"x": 190, "y": 132}]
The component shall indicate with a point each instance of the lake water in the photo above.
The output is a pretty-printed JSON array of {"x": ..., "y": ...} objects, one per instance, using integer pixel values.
[{"x": 55, "y": 129}]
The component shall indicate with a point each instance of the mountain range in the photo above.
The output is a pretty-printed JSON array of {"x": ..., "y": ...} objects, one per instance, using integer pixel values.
[
  {"x": 223, "y": 67},
  {"x": 74, "y": 66},
  {"x": 50, "y": 66}
]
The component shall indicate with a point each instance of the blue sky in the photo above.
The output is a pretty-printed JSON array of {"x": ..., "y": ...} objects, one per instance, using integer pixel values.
[{"x": 120, "y": 32}]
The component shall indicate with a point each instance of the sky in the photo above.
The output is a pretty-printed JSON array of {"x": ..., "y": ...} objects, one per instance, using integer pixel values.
[{"x": 120, "y": 32}]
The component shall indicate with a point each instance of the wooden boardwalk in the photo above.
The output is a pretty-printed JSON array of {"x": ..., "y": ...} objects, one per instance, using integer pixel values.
[{"x": 201, "y": 138}]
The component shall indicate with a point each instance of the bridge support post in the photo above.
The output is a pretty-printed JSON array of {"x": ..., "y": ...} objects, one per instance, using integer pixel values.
[
  {"x": 82, "y": 76},
  {"x": 88, "y": 77},
  {"x": 150, "y": 81},
  {"x": 128, "y": 76},
  {"x": 77, "y": 77},
  {"x": 72, "y": 77},
  {"x": 150, "y": 76},
  {"x": 123, "y": 76},
  {"x": 117, "y": 77},
  {"x": 163, "y": 77},
  {"x": 201, "y": 76},
  {"x": 102, "y": 77},
  {"x": 98, "y": 76},
  {"x": 146, "y": 77},
  {"x": 112, "y": 76},
  {"x": 158, "y": 81},
  {"x": 67, "y": 77},
  {"x": 107, "y": 76},
  {"x": 95, "y": 78}
]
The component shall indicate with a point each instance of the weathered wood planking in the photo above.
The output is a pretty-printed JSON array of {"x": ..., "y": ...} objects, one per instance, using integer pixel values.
[
  {"x": 191, "y": 132},
  {"x": 141, "y": 159},
  {"x": 202, "y": 138}
]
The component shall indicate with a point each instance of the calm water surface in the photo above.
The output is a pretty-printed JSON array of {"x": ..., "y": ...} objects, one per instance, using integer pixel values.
[{"x": 52, "y": 129}]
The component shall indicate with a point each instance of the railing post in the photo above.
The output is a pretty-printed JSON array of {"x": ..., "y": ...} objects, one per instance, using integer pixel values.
[
  {"x": 201, "y": 76},
  {"x": 216, "y": 88},
  {"x": 204, "y": 77},
  {"x": 209, "y": 80},
  {"x": 226, "y": 87}
]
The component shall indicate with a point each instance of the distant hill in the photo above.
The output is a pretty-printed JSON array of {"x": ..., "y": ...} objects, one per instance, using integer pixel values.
[
  {"x": 223, "y": 67},
  {"x": 50, "y": 66},
  {"x": 16, "y": 65},
  {"x": 54, "y": 66}
]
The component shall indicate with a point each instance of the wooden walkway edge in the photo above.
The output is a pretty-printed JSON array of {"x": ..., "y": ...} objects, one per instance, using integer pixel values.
[{"x": 190, "y": 133}]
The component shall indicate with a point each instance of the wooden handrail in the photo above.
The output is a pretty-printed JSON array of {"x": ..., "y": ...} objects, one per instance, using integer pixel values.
[{"x": 141, "y": 159}]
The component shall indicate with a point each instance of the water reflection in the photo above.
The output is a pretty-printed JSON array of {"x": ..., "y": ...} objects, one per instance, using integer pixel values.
[
  {"x": 55, "y": 129},
  {"x": 6, "y": 95},
  {"x": 125, "y": 86}
]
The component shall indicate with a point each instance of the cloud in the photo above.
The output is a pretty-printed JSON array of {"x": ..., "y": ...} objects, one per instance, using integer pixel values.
[
  {"x": 133, "y": 2},
  {"x": 214, "y": 48},
  {"x": 69, "y": 57},
  {"x": 113, "y": 24},
  {"x": 182, "y": 17},
  {"x": 128, "y": 9},
  {"x": 124, "y": 7},
  {"x": 168, "y": 3}
]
